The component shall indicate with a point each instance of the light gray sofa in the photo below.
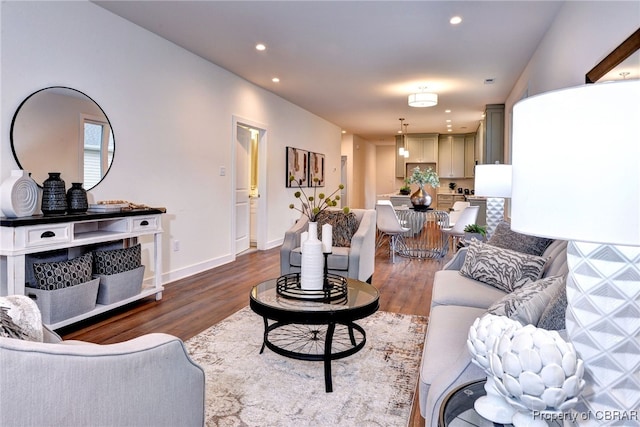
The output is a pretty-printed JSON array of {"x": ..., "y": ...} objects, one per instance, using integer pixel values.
[
  {"x": 356, "y": 262},
  {"x": 456, "y": 302},
  {"x": 147, "y": 381}
]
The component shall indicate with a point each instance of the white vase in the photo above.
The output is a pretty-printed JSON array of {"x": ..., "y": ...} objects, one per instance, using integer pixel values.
[
  {"x": 19, "y": 195},
  {"x": 311, "y": 274}
]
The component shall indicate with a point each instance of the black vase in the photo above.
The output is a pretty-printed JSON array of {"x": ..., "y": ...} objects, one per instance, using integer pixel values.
[
  {"x": 77, "y": 198},
  {"x": 54, "y": 195}
]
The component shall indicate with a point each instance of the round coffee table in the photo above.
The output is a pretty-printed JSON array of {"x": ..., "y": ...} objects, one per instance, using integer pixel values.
[{"x": 314, "y": 330}]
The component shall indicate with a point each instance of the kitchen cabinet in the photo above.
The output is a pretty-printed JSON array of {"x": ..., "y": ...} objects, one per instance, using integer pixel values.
[
  {"x": 491, "y": 147},
  {"x": 423, "y": 148},
  {"x": 451, "y": 151},
  {"x": 469, "y": 155}
]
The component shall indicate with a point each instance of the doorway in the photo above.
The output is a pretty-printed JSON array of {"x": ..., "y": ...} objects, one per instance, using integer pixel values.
[
  {"x": 344, "y": 194},
  {"x": 249, "y": 185}
]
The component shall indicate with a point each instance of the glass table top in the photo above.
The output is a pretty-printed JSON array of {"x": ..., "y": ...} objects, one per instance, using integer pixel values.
[{"x": 359, "y": 294}]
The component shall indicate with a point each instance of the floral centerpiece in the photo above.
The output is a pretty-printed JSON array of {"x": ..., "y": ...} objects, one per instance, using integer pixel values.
[
  {"x": 421, "y": 199},
  {"x": 423, "y": 177},
  {"x": 312, "y": 205},
  {"x": 312, "y": 249}
]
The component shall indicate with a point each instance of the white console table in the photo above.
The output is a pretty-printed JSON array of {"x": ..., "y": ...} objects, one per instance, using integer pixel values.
[{"x": 36, "y": 234}]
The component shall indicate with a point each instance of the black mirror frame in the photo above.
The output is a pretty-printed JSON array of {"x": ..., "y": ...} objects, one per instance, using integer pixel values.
[{"x": 15, "y": 115}]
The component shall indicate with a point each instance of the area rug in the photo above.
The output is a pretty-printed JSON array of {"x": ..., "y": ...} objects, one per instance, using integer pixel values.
[{"x": 374, "y": 387}]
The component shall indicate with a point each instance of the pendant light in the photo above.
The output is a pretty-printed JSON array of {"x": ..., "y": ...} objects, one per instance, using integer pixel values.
[
  {"x": 423, "y": 98},
  {"x": 404, "y": 139},
  {"x": 401, "y": 149}
]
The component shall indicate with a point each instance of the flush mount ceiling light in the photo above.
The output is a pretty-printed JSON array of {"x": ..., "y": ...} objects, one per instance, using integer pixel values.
[{"x": 423, "y": 99}]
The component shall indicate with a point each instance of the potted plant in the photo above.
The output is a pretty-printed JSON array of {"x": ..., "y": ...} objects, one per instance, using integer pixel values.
[
  {"x": 421, "y": 199},
  {"x": 475, "y": 230},
  {"x": 405, "y": 190}
]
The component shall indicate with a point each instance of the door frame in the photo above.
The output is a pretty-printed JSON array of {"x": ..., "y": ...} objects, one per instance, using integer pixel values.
[{"x": 261, "y": 215}]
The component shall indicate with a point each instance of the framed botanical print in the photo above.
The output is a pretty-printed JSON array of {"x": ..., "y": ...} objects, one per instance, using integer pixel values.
[
  {"x": 316, "y": 170},
  {"x": 297, "y": 166}
]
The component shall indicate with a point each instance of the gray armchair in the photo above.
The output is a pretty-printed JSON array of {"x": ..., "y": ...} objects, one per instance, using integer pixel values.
[
  {"x": 147, "y": 381},
  {"x": 356, "y": 262}
]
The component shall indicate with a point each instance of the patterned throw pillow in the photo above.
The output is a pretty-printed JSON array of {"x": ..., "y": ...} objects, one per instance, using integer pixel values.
[
  {"x": 62, "y": 274},
  {"x": 20, "y": 318},
  {"x": 504, "y": 269},
  {"x": 117, "y": 260},
  {"x": 503, "y": 237},
  {"x": 553, "y": 318},
  {"x": 527, "y": 303},
  {"x": 344, "y": 226}
]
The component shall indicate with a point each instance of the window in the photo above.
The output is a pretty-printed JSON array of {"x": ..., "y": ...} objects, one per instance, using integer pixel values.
[{"x": 98, "y": 151}]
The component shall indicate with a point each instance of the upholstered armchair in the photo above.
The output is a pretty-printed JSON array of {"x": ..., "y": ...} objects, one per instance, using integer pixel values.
[
  {"x": 356, "y": 261},
  {"x": 147, "y": 381}
]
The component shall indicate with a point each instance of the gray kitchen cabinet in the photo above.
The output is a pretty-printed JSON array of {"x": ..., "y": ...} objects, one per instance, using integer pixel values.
[
  {"x": 423, "y": 148},
  {"x": 451, "y": 156},
  {"x": 469, "y": 155},
  {"x": 491, "y": 149}
]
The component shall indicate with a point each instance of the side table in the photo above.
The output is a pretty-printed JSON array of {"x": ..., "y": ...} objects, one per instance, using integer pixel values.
[{"x": 457, "y": 408}]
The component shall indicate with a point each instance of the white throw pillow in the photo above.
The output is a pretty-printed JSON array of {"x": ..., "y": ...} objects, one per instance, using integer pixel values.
[{"x": 20, "y": 318}]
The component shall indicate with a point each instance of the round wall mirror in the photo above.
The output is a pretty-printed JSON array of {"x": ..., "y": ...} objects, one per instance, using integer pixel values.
[{"x": 59, "y": 129}]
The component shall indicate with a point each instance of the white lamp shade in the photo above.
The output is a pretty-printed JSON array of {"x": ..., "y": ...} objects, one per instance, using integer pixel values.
[
  {"x": 576, "y": 164},
  {"x": 423, "y": 99},
  {"x": 493, "y": 180}
]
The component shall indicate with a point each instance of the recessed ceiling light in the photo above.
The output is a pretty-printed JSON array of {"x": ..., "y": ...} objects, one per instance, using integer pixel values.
[
  {"x": 450, "y": 130},
  {"x": 448, "y": 126},
  {"x": 275, "y": 80},
  {"x": 447, "y": 111},
  {"x": 448, "y": 120},
  {"x": 344, "y": 131},
  {"x": 260, "y": 46},
  {"x": 455, "y": 20}
]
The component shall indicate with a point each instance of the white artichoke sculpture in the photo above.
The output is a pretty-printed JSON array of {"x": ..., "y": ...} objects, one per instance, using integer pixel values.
[
  {"x": 537, "y": 372},
  {"x": 483, "y": 334}
]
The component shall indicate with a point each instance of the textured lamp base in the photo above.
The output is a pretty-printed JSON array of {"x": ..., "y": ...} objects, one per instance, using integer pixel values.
[
  {"x": 603, "y": 323},
  {"x": 495, "y": 214}
]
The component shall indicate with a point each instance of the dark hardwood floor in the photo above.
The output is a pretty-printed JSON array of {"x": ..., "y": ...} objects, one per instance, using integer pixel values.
[{"x": 191, "y": 305}]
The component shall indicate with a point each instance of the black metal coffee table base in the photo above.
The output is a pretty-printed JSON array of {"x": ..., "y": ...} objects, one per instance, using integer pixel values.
[
  {"x": 325, "y": 342},
  {"x": 312, "y": 329}
]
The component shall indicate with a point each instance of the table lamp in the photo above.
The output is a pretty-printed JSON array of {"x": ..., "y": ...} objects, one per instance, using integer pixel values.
[
  {"x": 493, "y": 182},
  {"x": 576, "y": 176}
]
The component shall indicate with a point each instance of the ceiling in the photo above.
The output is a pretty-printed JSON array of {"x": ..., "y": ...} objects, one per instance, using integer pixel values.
[{"x": 355, "y": 63}]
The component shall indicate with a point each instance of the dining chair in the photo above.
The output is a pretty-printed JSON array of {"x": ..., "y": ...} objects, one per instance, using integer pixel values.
[
  {"x": 456, "y": 232},
  {"x": 456, "y": 211},
  {"x": 389, "y": 225}
]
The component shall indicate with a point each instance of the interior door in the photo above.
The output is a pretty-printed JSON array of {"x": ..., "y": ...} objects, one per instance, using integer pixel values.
[{"x": 243, "y": 150}]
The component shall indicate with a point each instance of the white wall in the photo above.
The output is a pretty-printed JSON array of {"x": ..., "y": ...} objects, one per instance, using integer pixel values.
[
  {"x": 582, "y": 35},
  {"x": 386, "y": 181},
  {"x": 172, "y": 114}
]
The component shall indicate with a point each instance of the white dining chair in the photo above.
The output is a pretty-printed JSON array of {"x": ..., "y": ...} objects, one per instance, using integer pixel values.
[
  {"x": 456, "y": 232},
  {"x": 389, "y": 225},
  {"x": 456, "y": 211}
]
